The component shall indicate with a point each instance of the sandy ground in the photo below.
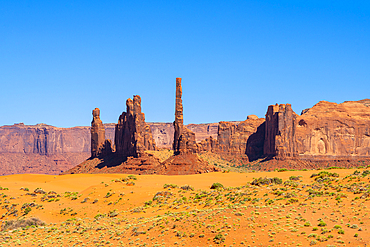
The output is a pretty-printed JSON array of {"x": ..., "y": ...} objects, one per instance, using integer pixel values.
[{"x": 121, "y": 210}]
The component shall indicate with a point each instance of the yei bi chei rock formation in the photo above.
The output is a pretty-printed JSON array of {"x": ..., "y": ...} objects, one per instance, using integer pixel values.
[{"x": 133, "y": 137}]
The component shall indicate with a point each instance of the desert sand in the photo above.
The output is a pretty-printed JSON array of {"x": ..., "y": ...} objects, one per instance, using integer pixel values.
[{"x": 155, "y": 210}]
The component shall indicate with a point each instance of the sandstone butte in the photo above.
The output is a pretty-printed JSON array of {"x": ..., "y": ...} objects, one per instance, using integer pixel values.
[{"x": 326, "y": 134}]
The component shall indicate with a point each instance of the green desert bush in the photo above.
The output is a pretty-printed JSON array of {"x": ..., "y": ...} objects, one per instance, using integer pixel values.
[
  {"x": 216, "y": 186},
  {"x": 266, "y": 181}
]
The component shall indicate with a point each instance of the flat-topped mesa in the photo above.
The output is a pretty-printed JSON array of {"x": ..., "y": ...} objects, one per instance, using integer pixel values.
[
  {"x": 184, "y": 139},
  {"x": 280, "y": 132},
  {"x": 97, "y": 134},
  {"x": 133, "y": 136}
]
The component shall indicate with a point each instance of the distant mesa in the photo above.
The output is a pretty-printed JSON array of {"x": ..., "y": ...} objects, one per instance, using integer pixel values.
[{"x": 327, "y": 133}]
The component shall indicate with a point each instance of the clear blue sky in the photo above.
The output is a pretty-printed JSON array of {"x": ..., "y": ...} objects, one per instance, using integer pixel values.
[{"x": 61, "y": 59}]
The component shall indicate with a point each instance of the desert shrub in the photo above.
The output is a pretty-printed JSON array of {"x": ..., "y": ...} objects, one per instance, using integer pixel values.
[
  {"x": 341, "y": 231},
  {"x": 292, "y": 200},
  {"x": 21, "y": 223},
  {"x": 365, "y": 173},
  {"x": 132, "y": 177},
  {"x": 108, "y": 195},
  {"x": 216, "y": 186},
  {"x": 294, "y": 178},
  {"x": 313, "y": 242},
  {"x": 165, "y": 186},
  {"x": 354, "y": 226},
  {"x": 266, "y": 181},
  {"x": 148, "y": 203},
  {"x": 162, "y": 195},
  {"x": 321, "y": 223},
  {"x": 85, "y": 200},
  {"x": 39, "y": 191},
  {"x": 138, "y": 210},
  {"x": 324, "y": 174},
  {"x": 282, "y": 170},
  {"x": 219, "y": 238},
  {"x": 187, "y": 187},
  {"x": 27, "y": 210},
  {"x": 113, "y": 213},
  {"x": 99, "y": 216}
]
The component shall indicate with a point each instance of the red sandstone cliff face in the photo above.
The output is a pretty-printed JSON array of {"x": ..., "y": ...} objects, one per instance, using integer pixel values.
[
  {"x": 203, "y": 131},
  {"x": 163, "y": 133},
  {"x": 333, "y": 130},
  {"x": 238, "y": 138},
  {"x": 43, "y": 139},
  {"x": 280, "y": 131},
  {"x": 325, "y": 131}
]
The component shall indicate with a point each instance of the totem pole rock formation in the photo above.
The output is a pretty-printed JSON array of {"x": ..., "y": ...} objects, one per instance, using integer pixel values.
[
  {"x": 133, "y": 136},
  {"x": 97, "y": 134},
  {"x": 184, "y": 139},
  {"x": 185, "y": 160}
]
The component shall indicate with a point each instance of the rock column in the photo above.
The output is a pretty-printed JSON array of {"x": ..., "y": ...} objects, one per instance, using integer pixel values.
[
  {"x": 133, "y": 136},
  {"x": 97, "y": 134},
  {"x": 184, "y": 139}
]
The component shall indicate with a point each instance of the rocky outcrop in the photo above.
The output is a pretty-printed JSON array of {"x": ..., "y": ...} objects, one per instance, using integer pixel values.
[
  {"x": 238, "y": 138},
  {"x": 185, "y": 164},
  {"x": 334, "y": 130},
  {"x": 184, "y": 139},
  {"x": 325, "y": 131},
  {"x": 133, "y": 136}
]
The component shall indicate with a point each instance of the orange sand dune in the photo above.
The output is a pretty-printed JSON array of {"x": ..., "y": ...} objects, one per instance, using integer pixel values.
[{"x": 120, "y": 210}]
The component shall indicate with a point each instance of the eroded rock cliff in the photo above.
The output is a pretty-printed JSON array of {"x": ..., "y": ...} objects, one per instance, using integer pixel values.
[{"x": 325, "y": 131}]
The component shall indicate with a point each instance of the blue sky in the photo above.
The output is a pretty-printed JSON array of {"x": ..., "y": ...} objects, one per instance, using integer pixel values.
[{"x": 61, "y": 59}]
